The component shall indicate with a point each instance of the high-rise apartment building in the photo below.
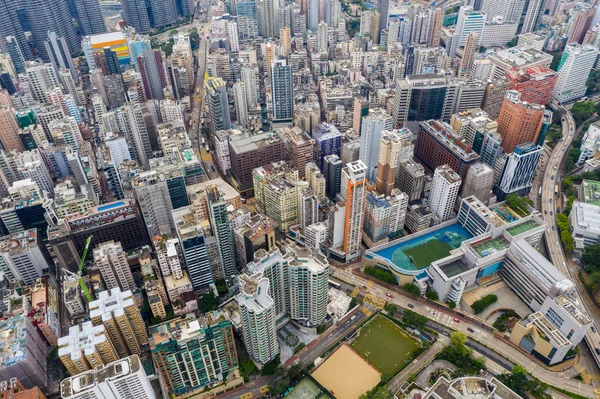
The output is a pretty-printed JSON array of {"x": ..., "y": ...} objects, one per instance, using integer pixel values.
[
  {"x": 392, "y": 150},
  {"x": 218, "y": 104},
  {"x": 479, "y": 182},
  {"x": 193, "y": 244},
  {"x": 333, "y": 176},
  {"x": 9, "y": 130},
  {"x": 120, "y": 315},
  {"x": 471, "y": 47},
  {"x": 151, "y": 67},
  {"x": 89, "y": 17},
  {"x": 370, "y": 139},
  {"x": 299, "y": 148},
  {"x": 580, "y": 24},
  {"x": 410, "y": 179},
  {"x": 316, "y": 180},
  {"x": 110, "y": 258},
  {"x": 203, "y": 353},
  {"x": 256, "y": 233},
  {"x": 328, "y": 141},
  {"x": 518, "y": 171},
  {"x": 533, "y": 16},
  {"x": 468, "y": 21},
  {"x": 384, "y": 215},
  {"x": 446, "y": 184},
  {"x": 153, "y": 196},
  {"x": 86, "y": 347},
  {"x": 282, "y": 87},
  {"x": 361, "y": 109},
  {"x": 573, "y": 71},
  {"x": 124, "y": 378},
  {"x": 13, "y": 34},
  {"x": 219, "y": 221},
  {"x": 258, "y": 315},
  {"x": 352, "y": 191},
  {"x": 519, "y": 121}
]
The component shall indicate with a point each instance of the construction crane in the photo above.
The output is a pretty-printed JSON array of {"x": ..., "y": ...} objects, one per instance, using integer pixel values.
[{"x": 84, "y": 287}]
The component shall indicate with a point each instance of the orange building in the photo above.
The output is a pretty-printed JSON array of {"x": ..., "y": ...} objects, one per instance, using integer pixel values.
[
  {"x": 13, "y": 389},
  {"x": 9, "y": 130},
  {"x": 535, "y": 83},
  {"x": 519, "y": 121}
]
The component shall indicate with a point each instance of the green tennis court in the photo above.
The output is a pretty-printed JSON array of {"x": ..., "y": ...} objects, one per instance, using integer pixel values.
[{"x": 422, "y": 255}]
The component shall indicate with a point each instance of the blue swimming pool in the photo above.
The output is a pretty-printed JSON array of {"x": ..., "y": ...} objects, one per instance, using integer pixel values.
[
  {"x": 110, "y": 206},
  {"x": 453, "y": 235}
]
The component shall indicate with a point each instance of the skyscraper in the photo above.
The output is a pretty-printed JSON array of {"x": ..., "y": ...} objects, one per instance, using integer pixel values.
[
  {"x": 519, "y": 121},
  {"x": 195, "y": 254},
  {"x": 519, "y": 168},
  {"x": 582, "y": 20},
  {"x": 89, "y": 16},
  {"x": 219, "y": 220},
  {"x": 479, "y": 182},
  {"x": 152, "y": 193},
  {"x": 573, "y": 71},
  {"x": 218, "y": 104},
  {"x": 120, "y": 315},
  {"x": 353, "y": 193},
  {"x": 152, "y": 70},
  {"x": 333, "y": 175},
  {"x": 313, "y": 14},
  {"x": 383, "y": 8},
  {"x": 322, "y": 37},
  {"x": 110, "y": 258},
  {"x": 370, "y": 139},
  {"x": 257, "y": 310},
  {"x": 241, "y": 103},
  {"x": 271, "y": 18},
  {"x": 50, "y": 16},
  {"x": 468, "y": 21},
  {"x": 469, "y": 54},
  {"x": 533, "y": 16},
  {"x": 9, "y": 130},
  {"x": 446, "y": 183},
  {"x": 12, "y": 31},
  {"x": 389, "y": 155},
  {"x": 135, "y": 13},
  {"x": 282, "y": 87},
  {"x": 163, "y": 13},
  {"x": 436, "y": 20}
]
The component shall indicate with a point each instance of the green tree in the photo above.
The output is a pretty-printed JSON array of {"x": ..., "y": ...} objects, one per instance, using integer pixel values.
[
  {"x": 279, "y": 386},
  {"x": 481, "y": 304},
  {"x": 591, "y": 257},
  {"x": 432, "y": 295},
  {"x": 512, "y": 43},
  {"x": 385, "y": 378},
  {"x": 380, "y": 274},
  {"x": 208, "y": 303},
  {"x": 594, "y": 281},
  {"x": 458, "y": 338},
  {"x": 379, "y": 392},
  {"x": 452, "y": 304},
  {"x": 272, "y": 366},
  {"x": 353, "y": 27},
  {"x": 414, "y": 319},
  {"x": 582, "y": 110},
  {"x": 556, "y": 56},
  {"x": 411, "y": 289},
  {"x": 390, "y": 308}
]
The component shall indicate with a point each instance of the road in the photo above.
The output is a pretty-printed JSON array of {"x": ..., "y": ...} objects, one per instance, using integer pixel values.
[
  {"x": 549, "y": 208},
  {"x": 484, "y": 339},
  {"x": 307, "y": 356}
]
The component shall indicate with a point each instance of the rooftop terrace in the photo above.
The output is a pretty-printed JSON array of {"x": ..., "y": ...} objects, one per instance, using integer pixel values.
[
  {"x": 490, "y": 246},
  {"x": 522, "y": 228}
]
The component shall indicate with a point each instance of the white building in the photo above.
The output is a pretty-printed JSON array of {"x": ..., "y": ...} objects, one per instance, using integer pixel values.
[
  {"x": 590, "y": 143},
  {"x": 446, "y": 183},
  {"x": 315, "y": 235},
  {"x": 468, "y": 21},
  {"x": 573, "y": 71},
  {"x": 124, "y": 378},
  {"x": 110, "y": 258},
  {"x": 41, "y": 79},
  {"x": 585, "y": 225},
  {"x": 370, "y": 138},
  {"x": 258, "y": 317},
  {"x": 118, "y": 148},
  {"x": 241, "y": 103}
]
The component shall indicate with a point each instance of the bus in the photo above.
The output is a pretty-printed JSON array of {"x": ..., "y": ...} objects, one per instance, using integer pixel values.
[{"x": 334, "y": 284}]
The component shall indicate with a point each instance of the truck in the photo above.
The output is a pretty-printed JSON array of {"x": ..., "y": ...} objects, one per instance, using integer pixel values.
[{"x": 556, "y": 190}]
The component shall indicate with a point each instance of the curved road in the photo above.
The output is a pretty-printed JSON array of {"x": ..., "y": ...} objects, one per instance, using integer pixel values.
[{"x": 548, "y": 209}]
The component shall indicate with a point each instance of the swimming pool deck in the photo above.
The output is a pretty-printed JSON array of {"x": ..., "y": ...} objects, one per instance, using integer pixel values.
[{"x": 395, "y": 256}]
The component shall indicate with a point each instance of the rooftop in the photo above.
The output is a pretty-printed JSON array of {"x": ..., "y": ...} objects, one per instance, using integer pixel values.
[
  {"x": 444, "y": 133},
  {"x": 521, "y": 57},
  {"x": 489, "y": 246},
  {"x": 522, "y": 227},
  {"x": 246, "y": 142},
  {"x": 13, "y": 335},
  {"x": 591, "y": 192}
]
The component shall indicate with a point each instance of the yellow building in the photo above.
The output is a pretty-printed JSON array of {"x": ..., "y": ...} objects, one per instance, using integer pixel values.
[{"x": 85, "y": 348}]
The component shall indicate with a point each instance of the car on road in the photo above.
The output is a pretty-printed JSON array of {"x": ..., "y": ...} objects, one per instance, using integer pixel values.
[
  {"x": 550, "y": 200},
  {"x": 389, "y": 295},
  {"x": 456, "y": 320},
  {"x": 598, "y": 351},
  {"x": 593, "y": 329},
  {"x": 470, "y": 330},
  {"x": 545, "y": 212},
  {"x": 551, "y": 213},
  {"x": 553, "y": 228},
  {"x": 556, "y": 243},
  {"x": 552, "y": 177},
  {"x": 410, "y": 305}
]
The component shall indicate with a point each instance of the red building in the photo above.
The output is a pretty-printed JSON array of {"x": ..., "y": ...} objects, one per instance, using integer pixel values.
[{"x": 535, "y": 84}]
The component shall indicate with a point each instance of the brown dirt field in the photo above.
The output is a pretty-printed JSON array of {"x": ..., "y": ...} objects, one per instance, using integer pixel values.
[{"x": 346, "y": 374}]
